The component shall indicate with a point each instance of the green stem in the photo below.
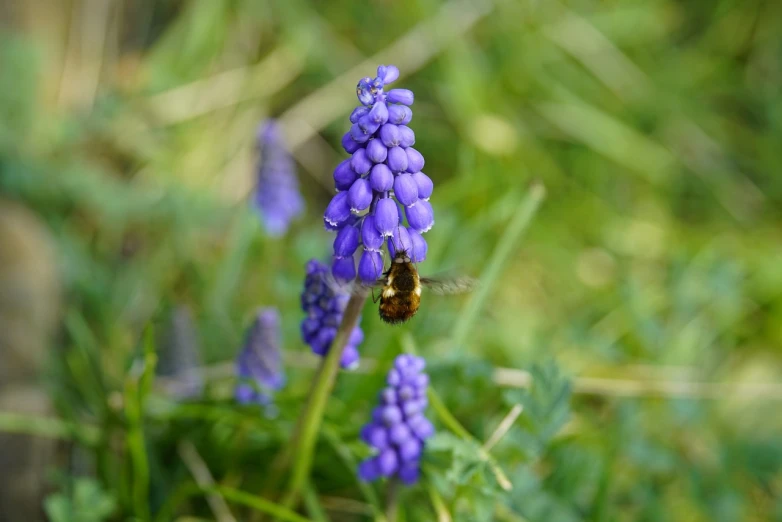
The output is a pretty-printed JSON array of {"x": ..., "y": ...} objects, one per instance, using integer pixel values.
[
  {"x": 308, "y": 426},
  {"x": 514, "y": 230},
  {"x": 50, "y": 427}
]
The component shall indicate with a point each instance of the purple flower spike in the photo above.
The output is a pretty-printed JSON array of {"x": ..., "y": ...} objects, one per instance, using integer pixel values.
[
  {"x": 398, "y": 438},
  {"x": 324, "y": 303},
  {"x": 276, "y": 197},
  {"x": 380, "y": 186},
  {"x": 259, "y": 364},
  {"x": 403, "y": 96}
]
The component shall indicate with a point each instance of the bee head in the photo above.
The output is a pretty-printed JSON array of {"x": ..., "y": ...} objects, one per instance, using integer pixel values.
[{"x": 401, "y": 257}]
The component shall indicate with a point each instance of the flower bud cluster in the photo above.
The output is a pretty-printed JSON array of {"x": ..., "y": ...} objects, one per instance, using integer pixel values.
[
  {"x": 381, "y": 185},
  {"x": 259, "y": 364}
]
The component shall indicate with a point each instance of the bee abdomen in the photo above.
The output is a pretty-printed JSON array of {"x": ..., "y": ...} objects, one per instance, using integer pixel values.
[{"x": 399, "y": 307}]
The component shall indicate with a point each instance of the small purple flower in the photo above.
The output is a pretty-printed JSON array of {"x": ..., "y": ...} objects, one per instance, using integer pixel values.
[
  {"x": 325, "y": 304},
  {"x": 277, "y": 195},
  {"x": 381, "y": 191},
  {"x": 398, "y": 430},
  {"x": 259, "y": 364}
]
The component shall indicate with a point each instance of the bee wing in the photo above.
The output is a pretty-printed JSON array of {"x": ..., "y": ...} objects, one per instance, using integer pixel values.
[{"x": 449, "y": 285}]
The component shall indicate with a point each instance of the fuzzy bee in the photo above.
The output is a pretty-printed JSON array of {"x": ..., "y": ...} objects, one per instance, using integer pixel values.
[{"x": 400, "y": 289}]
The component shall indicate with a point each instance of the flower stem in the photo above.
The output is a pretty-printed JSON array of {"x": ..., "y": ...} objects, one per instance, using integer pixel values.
[{"x": 308, "y": 425}]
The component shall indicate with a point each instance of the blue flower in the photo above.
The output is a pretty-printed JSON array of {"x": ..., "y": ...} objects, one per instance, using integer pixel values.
[
  {"x": 325, "y": 303},
  {"x": 277, "y": 196},
  {"x": 259, "y": 365},
  {"x": 381, "y": 185},
  {"x": 399, "y": 429}
]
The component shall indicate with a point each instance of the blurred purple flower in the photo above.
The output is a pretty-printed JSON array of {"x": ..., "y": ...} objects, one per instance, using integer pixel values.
[
  {"x": 399, "y": 429},
  {"x": 277, "y": 196},
  {"x": 259, "y": 364},
  {"x": 382, "y": 177},
  {"x": 325, "y": 303}
]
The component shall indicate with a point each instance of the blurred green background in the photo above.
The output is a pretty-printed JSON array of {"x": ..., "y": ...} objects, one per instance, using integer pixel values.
[{"x": 644, "y": 298}]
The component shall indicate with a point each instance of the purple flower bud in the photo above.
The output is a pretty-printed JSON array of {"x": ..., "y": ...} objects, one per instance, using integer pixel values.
[
  {"x": 390, "y": 135},
  {"x": 406, "y": 392},
  {"x": 399, "y": 114},
  {"x": 387, "y": 462},
  {"x": 399, "y": 433},
  {"x": 260, "y": 360},
  {"x": 349, "y": 144},
  {"x": 415, "y": 161},
  {"x": 370, "y": 267},
  {"x": 405, "y": 189},
  {"x": 381, "y": 179},
  {"x": 359, "y": 162},
  {"x": 391, "y": 415},
  {"x": 410, "y": 449},
  {"x": 349, "y": 358},
  {"x": 360, "y": 195},
  {"x": 400, "y": 241},
  {"x": 370, "y": 237},
  {"x": 397, "y": 159},
  {"x": 368, "y": 125},
  {"x": 386, "y": 216},
  {"x": 338, "y": 209},
  {"x": 421, "y": 381},
  {"x": 379, "y": 113},
  {"x": 358, "y": 134},
  {"x": 364, "y": 91},
  {"x": 388, "y": 396},
  {"x": 421, "y": 427},
  {"x": 425, "y": 185},
  {"x": 388, "y": 73},
  {"x": 368, "y": 470},
  {"x": 409, "y": 472},
  {"x": 357, "y": 113},
  {"x": 418, "y": 252},
  {"x": 344, "y": 175},
  {"x": 343, "y": 268},
  {"x": 376, "y": 151},
  {"x": 393, "y": 378},
  {"x": 346, "y": 242},
  {"x": 406, "y": 136},
  {"x": 375, "y": 435},
  {"x": 420, "y": 216},
  {"x": 403, "y": 96}
]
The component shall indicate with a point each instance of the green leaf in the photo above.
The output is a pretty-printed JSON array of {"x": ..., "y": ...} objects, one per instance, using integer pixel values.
[{"x": 88, "y": 503}]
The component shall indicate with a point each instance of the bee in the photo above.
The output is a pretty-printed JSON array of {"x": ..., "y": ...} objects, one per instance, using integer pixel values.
[{"x": 400, "y": 289}]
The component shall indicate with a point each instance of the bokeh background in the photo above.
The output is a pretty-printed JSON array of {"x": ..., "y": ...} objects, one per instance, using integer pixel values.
[{"x": 636, "y": 317}]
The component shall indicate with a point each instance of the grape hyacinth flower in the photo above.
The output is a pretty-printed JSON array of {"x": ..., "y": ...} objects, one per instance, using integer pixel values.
[
  {"x": 277, "y": 196},
  {"x": 398, "y": 429},
  {"x": 324, "y": 302},
  {"x": 259, "y": 364},
  {"x": 380, "y": 185}
]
